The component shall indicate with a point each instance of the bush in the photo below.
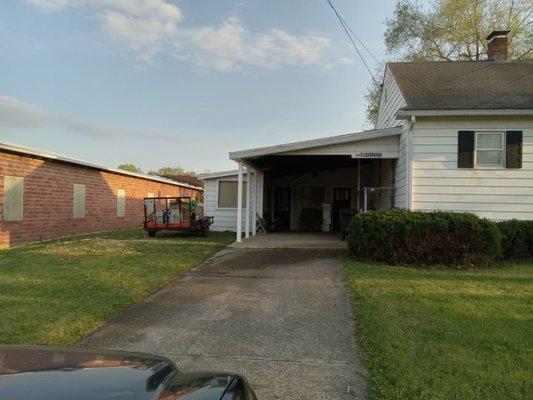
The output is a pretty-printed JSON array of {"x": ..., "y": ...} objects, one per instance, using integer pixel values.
[
  {"x": 517, "y": 239},
  {"x": 424, "y": 238}
]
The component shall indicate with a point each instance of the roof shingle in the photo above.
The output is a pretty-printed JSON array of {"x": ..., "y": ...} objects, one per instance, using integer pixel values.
[{"x": 465, "y": 85}]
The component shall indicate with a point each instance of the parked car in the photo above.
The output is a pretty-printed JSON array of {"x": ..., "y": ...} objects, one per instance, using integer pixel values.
[{"x": 47, "y": 373}]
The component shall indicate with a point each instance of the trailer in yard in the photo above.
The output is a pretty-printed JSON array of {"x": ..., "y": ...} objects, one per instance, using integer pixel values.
[{"x": 175, "y": 214}]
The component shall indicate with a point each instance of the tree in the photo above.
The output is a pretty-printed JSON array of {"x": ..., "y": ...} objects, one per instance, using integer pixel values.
[
  {"x": 450, "y": 30},
  {"x": 130, "y": 167},
  {"x": 164, "y": 171},
  {"x": 457, "y": 29}
]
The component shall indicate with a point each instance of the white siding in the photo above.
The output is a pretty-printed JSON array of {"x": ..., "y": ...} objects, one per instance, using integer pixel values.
[
  {"x": 225, "y": 219},
  {"x": 391, "y": 101},
  {"x": 439, "y": 184},
  {"x": 387, "y": 146}
]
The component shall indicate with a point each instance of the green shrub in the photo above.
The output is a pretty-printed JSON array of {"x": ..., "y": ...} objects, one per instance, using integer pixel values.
[
  {"x": 424, "y": 238},
  {"x": 517, "y": 239}
]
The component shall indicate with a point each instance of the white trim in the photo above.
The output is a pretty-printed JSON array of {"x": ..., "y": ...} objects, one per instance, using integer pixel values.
[
  {"x": 217, "y": 174},
  {"x": 239, "y": 203},
  {"x": 56, "y": 157},
  {"x": 441, "y": 113},
  {"x": 306, "y": 144},
  {"x": 502, "y": 150},
  {"x": 248, "y": 195}
]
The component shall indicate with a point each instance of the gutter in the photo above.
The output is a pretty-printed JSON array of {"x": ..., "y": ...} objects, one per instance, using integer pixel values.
[{"x": 406, "y": 113}]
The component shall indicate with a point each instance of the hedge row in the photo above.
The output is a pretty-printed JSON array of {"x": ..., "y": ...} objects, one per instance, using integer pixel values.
[
  {"x": 517, "y": 239},
  {"x": 437, "y": 238}
]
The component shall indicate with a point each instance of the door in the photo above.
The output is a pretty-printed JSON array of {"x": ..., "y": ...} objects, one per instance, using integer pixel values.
[
  {"x": 282, "y": 208},
  {"x": 342, "y": 198}
]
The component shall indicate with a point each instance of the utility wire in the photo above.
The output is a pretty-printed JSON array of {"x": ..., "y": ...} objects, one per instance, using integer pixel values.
[{"x": 347, "y": 29}]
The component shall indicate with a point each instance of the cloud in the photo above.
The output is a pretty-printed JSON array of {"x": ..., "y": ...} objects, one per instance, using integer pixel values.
[
  {"x": 231, "y": 46},
  {"x": 18, "y": 114},
  {"x": 147, "y": 28}
]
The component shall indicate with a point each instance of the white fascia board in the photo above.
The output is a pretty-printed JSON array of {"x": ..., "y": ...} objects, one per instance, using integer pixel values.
[
  {"x": 13, "y": 148},
  {"x": 306, "y": 144},
  {"x": 221, "y": 174},
  {"x": 444, "y": 113}
]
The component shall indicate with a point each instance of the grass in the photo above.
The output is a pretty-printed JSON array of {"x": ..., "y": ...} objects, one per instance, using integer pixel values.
[
  {"x": 442, "y": 334},
  {"x": 54, "y": 293}
]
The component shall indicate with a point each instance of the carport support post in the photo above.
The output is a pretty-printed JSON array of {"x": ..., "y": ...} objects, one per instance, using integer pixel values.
[
  {"x": 239, "y": 203},
  {"x": 254, "y": 202},
  {"x": 248, "y": 205}
]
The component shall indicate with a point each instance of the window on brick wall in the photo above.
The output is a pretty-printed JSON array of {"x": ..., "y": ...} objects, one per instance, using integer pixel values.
[
  {"x": 13, "y": 198},
  {"x": 121, "y": 202},
  {"x": 78, "y": 209},
  {"x": 150, "y": 194}
]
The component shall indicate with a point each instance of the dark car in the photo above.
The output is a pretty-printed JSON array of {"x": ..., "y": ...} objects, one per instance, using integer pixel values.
[{"x": 47, "y": 373}]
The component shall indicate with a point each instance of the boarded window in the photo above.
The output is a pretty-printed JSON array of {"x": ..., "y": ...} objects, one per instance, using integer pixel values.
[
  {"x": 227, "y": 194},
  {"x": 121, "y": 202},
  {"x": 78, "y": 210},
  {"x": 13, "y": 198}
]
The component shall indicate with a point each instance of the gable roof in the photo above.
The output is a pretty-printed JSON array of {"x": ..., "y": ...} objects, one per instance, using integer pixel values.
[
  {"x": 308, "y": 144},
  {"x": 465, "y": 85}
]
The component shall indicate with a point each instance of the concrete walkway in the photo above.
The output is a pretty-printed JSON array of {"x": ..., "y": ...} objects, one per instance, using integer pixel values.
[
  {"x": 280, "y": 317},
  {"x": 293, "y": 240}
]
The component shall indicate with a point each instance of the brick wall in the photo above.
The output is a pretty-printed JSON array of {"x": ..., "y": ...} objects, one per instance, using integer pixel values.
[{"x": 49, "y": 196}]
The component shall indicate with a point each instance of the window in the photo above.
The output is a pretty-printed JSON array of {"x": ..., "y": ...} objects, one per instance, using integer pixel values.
[
  {"x": 121, "y": 202},
  {"x": 227, "y": 194},
  {"x": 150, "y": 194},
  {"x": 13, "y": 198},
  {"x": 490, "y": 149},
  {"x": 78, "y": 209},
  {"x": 312, "y": 196}
]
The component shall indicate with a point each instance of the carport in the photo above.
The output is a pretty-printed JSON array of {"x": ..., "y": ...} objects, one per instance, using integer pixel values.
[{"x": 306, "y": 183}]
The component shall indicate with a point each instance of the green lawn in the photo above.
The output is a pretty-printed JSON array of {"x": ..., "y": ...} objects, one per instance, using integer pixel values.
[
  {"x": 54, "y": 293},
  {"x": 437, "y": 334}
]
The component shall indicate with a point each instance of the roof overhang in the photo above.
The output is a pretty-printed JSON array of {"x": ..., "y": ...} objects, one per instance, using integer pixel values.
[
  {"x": 309, "y": 144},
  {"x": 406, "y": 113},
  {"x": 12, "y": 148}
]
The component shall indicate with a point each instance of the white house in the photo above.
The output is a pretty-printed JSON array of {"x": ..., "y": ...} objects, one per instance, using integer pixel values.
[{"x": 454, "y": 136}]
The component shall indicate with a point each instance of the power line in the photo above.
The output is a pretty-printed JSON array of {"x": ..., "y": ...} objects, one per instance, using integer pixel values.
[{"x": 347, "y": 29}]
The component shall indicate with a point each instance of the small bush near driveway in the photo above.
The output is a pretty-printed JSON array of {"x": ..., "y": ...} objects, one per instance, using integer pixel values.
[
  {"x": 444, "y": 334},
  {"x": 517, "y": 239},
  {"x": 54, "y": 293},
  {"x": 424, "y": 238}
]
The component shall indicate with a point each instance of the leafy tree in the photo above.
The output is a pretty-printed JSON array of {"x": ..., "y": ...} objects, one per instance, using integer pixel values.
[
  {"x": 457, "y": 29},
  {"x": 130, "y": 167},
  {"x": 450, "y": 30},
  {"x": 171, "y": 171}
]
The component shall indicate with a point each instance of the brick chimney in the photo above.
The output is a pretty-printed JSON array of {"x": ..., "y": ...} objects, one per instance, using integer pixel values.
[{"x": 497, "y": 46}]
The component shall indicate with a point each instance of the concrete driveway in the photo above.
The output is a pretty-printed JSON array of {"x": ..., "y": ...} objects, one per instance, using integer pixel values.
[{"x": 280, "y": 317}]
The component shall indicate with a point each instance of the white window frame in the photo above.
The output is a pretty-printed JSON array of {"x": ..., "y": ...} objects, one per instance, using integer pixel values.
[
  {"x": 488, "y": 166},
  {"x": 244, "y": 183}
]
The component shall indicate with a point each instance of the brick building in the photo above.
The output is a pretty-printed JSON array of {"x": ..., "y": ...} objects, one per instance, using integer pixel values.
[{"x": 45, "y": 196}]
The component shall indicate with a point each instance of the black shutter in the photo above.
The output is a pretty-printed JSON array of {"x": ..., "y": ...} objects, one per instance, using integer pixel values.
[
  {"x": 513, "y": 149},
  {"x": 465, "y": 149}
]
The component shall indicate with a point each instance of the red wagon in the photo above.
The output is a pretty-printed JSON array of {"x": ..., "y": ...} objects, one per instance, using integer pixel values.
[{"x": 175, "y": 214}]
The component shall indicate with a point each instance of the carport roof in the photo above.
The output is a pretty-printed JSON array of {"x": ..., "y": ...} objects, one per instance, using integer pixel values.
[{"x": 308, "y": 144}]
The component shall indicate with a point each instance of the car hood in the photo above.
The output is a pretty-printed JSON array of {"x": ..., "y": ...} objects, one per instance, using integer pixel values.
[{"x": 58, "y": 373}]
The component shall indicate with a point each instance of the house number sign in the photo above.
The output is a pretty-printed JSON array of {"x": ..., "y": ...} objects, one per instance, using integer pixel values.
[{"x": 367, "y": 155}]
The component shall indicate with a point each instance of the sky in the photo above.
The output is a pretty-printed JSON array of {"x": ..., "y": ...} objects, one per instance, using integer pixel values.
[{"x": 181, "y": 82}]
